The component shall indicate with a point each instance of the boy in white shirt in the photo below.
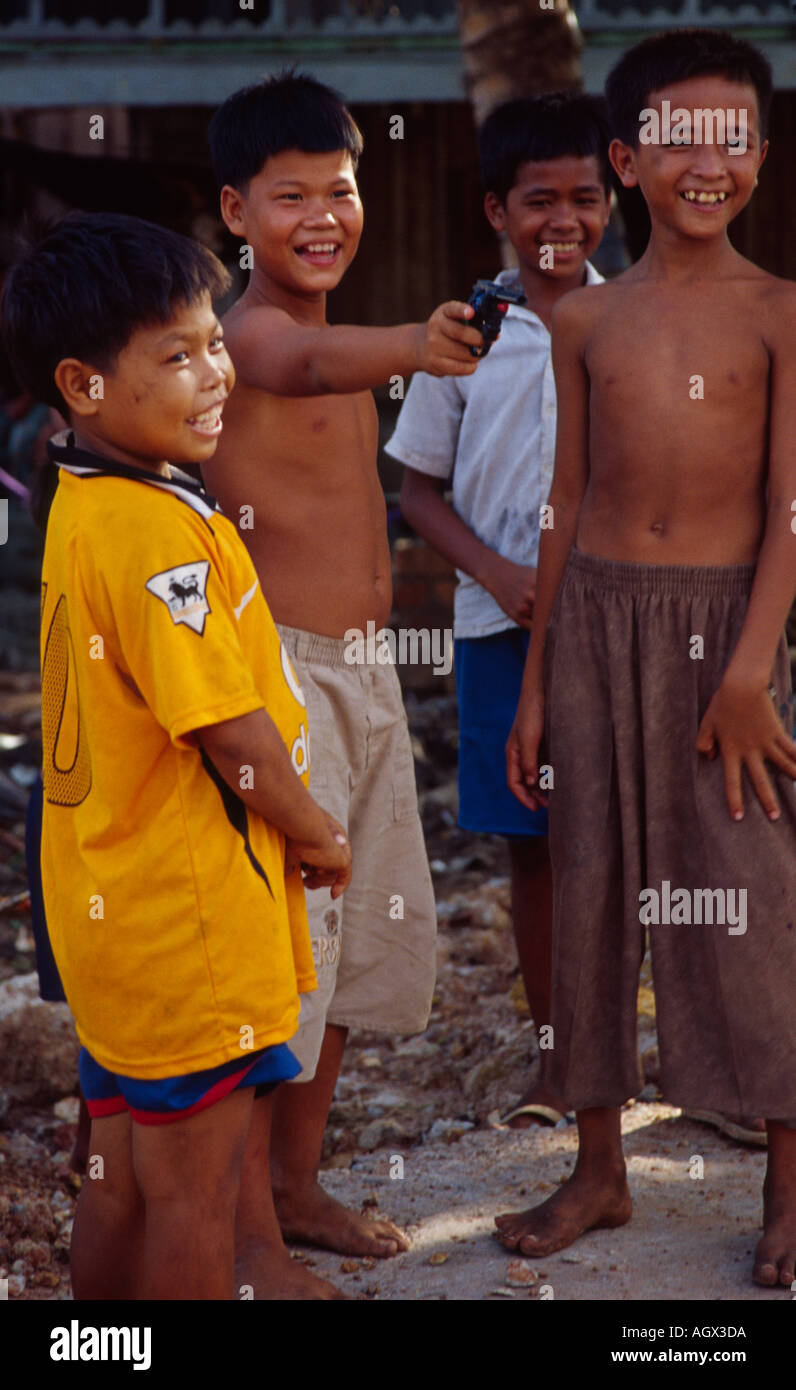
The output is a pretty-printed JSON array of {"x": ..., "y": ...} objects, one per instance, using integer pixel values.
[{"x": 544, "y": 163}]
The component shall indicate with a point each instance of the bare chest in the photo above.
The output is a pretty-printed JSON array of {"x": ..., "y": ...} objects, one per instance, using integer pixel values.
[
  {"x": 672, "y": 354},
  {"x": 339, "y": 426}
]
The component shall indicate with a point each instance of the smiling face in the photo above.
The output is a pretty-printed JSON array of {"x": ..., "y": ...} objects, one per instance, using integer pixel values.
[
  {"x": 302, "y": 216},
  {"x": 556, "y": 202},
  {"x": 696, "y": 187},
  {"x": 162, "y": 399}
]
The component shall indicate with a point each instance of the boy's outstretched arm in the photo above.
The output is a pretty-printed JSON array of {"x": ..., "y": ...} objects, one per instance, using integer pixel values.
[
  {"x": 741, "y": 720},
  {"x": 278, "y": 795},
  {"x": 425, "y": 508},
  {"x": 570, "y": 477},
  {"x": 274, "y": 353}
]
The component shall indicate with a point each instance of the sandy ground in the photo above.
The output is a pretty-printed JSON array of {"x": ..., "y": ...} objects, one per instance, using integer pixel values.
[{"x": 690, "y": 1238}]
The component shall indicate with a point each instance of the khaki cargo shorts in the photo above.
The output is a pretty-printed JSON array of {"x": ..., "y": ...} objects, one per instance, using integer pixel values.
[{"x": 375, "y": 947}]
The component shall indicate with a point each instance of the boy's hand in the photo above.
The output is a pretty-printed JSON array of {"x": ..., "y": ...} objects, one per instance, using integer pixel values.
[
  {"x": 325, "y": 864},
  {"x": 742, "y": 724},
  {"x": 443, "y": 344},
  {"x": 522, "y": 752},
  {"x": 513, "y": 587}
]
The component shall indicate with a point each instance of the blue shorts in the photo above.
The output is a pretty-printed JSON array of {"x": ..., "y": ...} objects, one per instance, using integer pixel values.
[
  {"x": 488, "y": 679},
  {"x": 176, "y": 1097}
]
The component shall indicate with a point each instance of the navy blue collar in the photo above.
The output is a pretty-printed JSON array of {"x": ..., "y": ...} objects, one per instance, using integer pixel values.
[{"x": 63, "y": 451}]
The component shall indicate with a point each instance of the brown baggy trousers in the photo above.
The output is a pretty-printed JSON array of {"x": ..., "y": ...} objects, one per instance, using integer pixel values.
[{"x": 641, "y": 839}]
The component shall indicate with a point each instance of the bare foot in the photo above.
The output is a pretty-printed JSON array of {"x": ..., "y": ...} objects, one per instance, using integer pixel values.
[
  {"x": 272, "y": 1276},
  {"x": 775, "y": 1255},
  {"x": 316, "y": 1218},
  {"x": 537, "y": 1094},
  {"x": 583, "y": 1203}
]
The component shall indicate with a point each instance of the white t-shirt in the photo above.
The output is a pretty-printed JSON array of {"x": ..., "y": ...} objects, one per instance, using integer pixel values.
[{"x": 494, "y": 433}]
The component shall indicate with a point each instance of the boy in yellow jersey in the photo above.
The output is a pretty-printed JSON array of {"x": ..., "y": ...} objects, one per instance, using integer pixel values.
[{"x": 176, "y": 757}]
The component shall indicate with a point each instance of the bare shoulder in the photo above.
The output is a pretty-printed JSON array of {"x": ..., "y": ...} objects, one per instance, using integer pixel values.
[
  {"x": 578, "y": 305},
  {"x": 575, "y": 314},
  {"x": 774, "y": 302},
  {"x": 247, "y": 324},
  {"x": 266, "y": 346}
]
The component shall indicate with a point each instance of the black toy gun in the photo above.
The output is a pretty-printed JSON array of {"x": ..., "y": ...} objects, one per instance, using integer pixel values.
[{"x": 491, "y": 303}]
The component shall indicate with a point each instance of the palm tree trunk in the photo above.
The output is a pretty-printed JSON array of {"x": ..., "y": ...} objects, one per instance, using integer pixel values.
[{"x": 517, "y": 48}]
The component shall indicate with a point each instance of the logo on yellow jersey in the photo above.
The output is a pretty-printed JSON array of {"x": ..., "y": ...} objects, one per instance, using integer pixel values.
[{"x": 182, "y": 589}]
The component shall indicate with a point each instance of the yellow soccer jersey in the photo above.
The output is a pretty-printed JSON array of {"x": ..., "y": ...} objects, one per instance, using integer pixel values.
[{"x": 179, "y": 940}]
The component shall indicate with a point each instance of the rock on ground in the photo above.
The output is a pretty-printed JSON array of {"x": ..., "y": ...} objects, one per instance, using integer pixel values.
[{"x": 38, "y": 1044}]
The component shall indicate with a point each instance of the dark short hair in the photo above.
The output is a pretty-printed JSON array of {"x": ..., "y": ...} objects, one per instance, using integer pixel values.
[
  {"x": 551, "y": 126},
  {"x": 675, "y": 56},
  {"x": 290, "y": 111},
  {"x": 88, "y": 284}
]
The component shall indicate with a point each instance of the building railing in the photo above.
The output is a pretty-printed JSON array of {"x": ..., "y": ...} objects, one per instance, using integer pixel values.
[
  {"x": 616, "y": 16},
  {"x": 86, "y": 21}
]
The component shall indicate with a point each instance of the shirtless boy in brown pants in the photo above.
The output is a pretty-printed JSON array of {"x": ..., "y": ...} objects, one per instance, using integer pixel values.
[
  {"x": 296, "y": 470},
  {"x": 663, "y": 691}
]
